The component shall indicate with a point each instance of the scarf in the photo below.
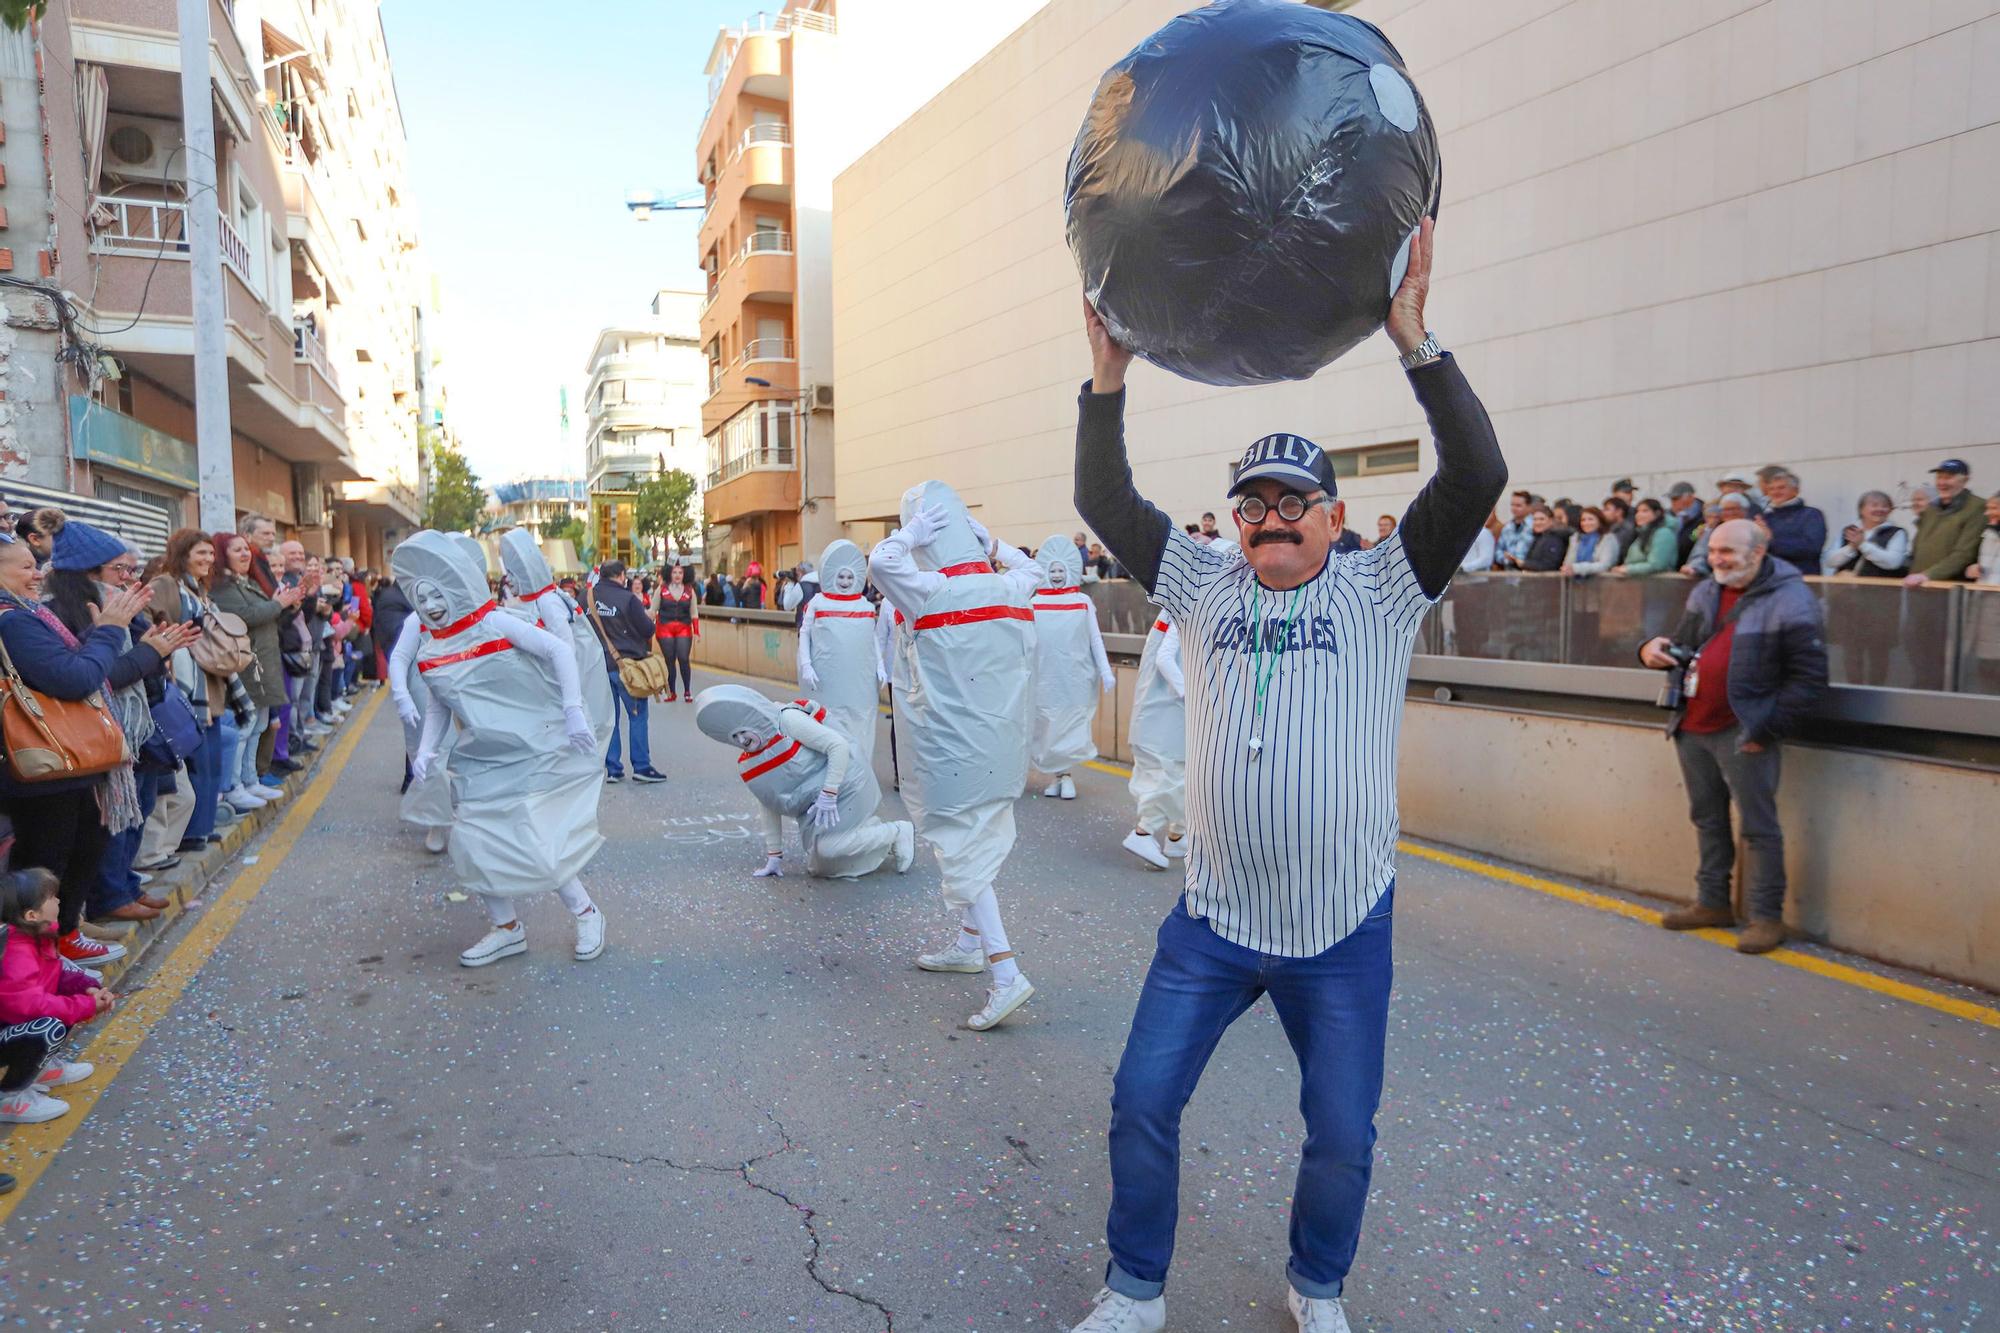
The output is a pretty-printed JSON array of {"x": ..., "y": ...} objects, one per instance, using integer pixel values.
[{"x": 117, "y": 792}]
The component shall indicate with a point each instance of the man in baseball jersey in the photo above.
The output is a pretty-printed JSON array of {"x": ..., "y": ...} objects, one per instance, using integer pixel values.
[{"x": 1295, "y": 662}]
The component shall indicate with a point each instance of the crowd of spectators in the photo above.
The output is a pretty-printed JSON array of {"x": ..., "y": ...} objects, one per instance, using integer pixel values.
[{"x": 224, "y": 661}]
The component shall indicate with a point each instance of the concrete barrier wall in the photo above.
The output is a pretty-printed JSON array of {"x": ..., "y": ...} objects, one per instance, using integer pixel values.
[{"x": 1887, "y": 857}]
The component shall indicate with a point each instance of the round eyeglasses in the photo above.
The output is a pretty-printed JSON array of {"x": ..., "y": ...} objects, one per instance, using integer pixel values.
[{"x": 1291, "y": 507}]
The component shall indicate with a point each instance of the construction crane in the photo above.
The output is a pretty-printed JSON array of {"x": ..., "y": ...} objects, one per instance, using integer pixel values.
[{"x": 644, "y": 203}]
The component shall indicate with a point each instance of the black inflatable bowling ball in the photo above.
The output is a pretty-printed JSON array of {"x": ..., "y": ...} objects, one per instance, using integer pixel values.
[{"x": 1243, "y": 191}]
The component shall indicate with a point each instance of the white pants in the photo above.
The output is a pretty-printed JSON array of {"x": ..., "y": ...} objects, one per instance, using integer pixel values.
[
  {"x": 849, "y": 853},
  {"x": 1159, "y": 786},
  {"x": 971, "y": 847}
]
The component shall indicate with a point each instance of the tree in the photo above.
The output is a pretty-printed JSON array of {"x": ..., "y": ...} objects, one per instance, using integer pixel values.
[
  {"x": 456, "y": 498},
  {"x": 565, "y": 527},
  {"x": 16, "y": 13},
  {"x": 665, "y": 508}
]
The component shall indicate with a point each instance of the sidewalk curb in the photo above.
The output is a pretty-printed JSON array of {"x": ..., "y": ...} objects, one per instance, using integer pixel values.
[{"x": 187, "y": 884}]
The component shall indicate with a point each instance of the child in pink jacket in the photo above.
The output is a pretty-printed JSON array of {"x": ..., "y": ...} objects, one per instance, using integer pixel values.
[{"x": 42, "y": 997}]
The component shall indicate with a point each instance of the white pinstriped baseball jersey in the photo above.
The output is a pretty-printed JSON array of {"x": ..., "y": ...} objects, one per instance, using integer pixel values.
[{"x": 1292, "y": 845}]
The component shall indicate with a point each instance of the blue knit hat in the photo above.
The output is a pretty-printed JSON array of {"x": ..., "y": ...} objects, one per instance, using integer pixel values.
[{"x": 80, "y": 546}]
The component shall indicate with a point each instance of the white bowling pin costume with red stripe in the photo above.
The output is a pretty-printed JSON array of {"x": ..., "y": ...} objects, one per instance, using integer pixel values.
[
  {"x": 787, "y": 754},
  {"x": 551, "y": 609},
  {"x": 1071, "y": 668},
  {"x": 1159, "y": 733},
  {"x": 837, "y": 655},
  {"x": 527, "y": 798},
  {"x": 426, "y": 802}
]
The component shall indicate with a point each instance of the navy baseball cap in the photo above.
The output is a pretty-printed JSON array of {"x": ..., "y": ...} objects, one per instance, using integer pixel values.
[
  {"x": 1953, "y": 465},
  {"x": 1291, "y": 459}
]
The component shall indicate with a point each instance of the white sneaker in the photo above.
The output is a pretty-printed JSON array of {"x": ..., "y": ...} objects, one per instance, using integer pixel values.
[
  {"x": 242, "y": 800},
  {"x": 1176, "y": 848},
  {"x": 1000, "y": 1002},
  {"x": 589, "y": 935},
  {"x": 1316, "y": 1316},
  {"x": 342, "y": 708},
  {"x": 1054, "y": 789},
  {"x": 953, "y": 959},
  {"x": 1142, "y": 846},
  {"x": 436, "y": 837},
  {"x": 1068, "y": 786},
  {"x": 64, "y": 1072},
  {"x": 496, "y": 944},
  {"x": 906, "y": 845},
  {"x": 29, "y": 1106},
  {"x": 271, "y": 795},
  {"x": 1122, "y": 1314}
]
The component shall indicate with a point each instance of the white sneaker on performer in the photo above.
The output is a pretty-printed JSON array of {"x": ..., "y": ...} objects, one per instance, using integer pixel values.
[
  {"x": 1316, "y": 1316},
  {"x": 64, "y": 1072},
  {"x": 497, "y": 943},
  {"x": 29, "y": 1106},
  {"x": 1142, "y": 846},
  {"x": 906, "y": 845},
  {"x": 1068, "y": 788},
  {"x": 1122, "y": 1314},
  {"x": 589, "y": 935},
  {"x": 1176, "y": 848},
  {"x": 1000, "y": 1002},
  {"x": 1054, "y": 789},
  {"x": 953, "y": 959},
  {"x": 436, "y": 837}
]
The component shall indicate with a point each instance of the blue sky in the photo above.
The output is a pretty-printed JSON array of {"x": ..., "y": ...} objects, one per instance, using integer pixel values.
[{"x": 527, "y": 124}]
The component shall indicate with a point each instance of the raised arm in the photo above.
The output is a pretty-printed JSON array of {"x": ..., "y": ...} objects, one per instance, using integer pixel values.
[
  {"x": 1130, "y": 528},
  {"x": 1021, "y": 570},
  {"x": 895, "y": 572}
]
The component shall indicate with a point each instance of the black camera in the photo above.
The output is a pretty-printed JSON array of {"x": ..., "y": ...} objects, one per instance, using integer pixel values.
[{"x": 1673, "y": 693}]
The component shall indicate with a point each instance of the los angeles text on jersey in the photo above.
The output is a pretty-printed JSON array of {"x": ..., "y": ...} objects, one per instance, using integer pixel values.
[{"x": 1304, "y": 634}]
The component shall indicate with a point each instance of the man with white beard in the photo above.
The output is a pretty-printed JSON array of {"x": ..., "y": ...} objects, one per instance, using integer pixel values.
[
  {"x": 838, "y": 662},
  {"x": 967, "y": 650},
  {"x": 1071, "y": 669}
]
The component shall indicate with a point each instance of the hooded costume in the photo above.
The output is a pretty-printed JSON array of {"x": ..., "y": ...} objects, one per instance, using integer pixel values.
[
  {"x": 426, "y": 803},
  {"x": 1071, "y": 667},
  {"x": 838, "y": 663},
  {"x": 1159, "y": 733},
  {"x": 791, "y": 755},
  {"x": 535, "y": 585},
  {"x": 525, "y": 768}
]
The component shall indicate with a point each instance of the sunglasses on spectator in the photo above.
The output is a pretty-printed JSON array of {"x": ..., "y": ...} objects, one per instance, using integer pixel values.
[{"x": 1291, "y": 507}]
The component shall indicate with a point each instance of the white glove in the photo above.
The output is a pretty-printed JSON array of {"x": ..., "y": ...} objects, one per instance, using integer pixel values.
[
  {"x": 925, "y": 525},
  {"x": 881, "y": 676},
  {"x": 1108, "y": 681},
  {"x": 407, "y": 710},
  {"x": 979, "y": 531},
  {"x": 808, "y": 678},
  {"x": 825, "y": 811},
  {"x": 774, "y": 867},
  {"x": 577, "y": 728},
  {"x": 420, "y": 768}
]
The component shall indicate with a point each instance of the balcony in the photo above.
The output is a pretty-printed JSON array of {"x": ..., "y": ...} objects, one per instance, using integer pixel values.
[
  {"x": 761, "y": 171},
  {"x": 751, "y": 59},
  {"x": 146, "y": 227},
  {"x": 317, "y": 384},
  {"x": 762, "y": 270},
  {"x": 753, "y": 462},
  {"x": 766, "y": 350}
]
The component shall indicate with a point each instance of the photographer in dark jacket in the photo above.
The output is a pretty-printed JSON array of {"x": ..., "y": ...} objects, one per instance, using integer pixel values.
[
  {"x": 1750, "y": 652},
  {"x": 627, "y": 633}
]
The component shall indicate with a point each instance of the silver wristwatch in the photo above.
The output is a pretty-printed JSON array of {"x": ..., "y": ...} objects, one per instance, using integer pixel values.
[{"x": 1423, "y": 353}]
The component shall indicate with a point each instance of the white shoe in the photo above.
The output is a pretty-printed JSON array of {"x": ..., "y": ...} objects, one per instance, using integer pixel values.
[
  {"x": 1000, "y": 1002},
  {"x": 1068, "y": 786},
  {"x": 906, "y": 845},
  {"x": 342, "y": 707},
  {"x": 589, "y": 935},
  {"x": 1054, "y": 789},
  {"x": 1122, "y": 1314},
  {"x": 242, "y": 800},
  {"x": 142, "y": 876},
  {"x": 1316, "y": 1316},
  {"x": 436, "y": 837},
  {"x": 496, "y": 944},
  {"x": 271, "y": 795},
  {"x": 1176, "y": 848},
  {"x": 1142, "y": 846},
  {"x": 953, "y": 959},
  {"x": 64, "y": 1072},
  {"x": 29, "y": 1106}
]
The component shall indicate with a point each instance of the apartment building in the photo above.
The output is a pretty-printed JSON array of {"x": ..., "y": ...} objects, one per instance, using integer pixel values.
[
  {"x": 642, "y": 405},
  {"x": 1676, "y": 240},
  {"x": 793, "y": 99},
  {"x": 322, "y": 274},
  {"x": 533, "y": 501}
]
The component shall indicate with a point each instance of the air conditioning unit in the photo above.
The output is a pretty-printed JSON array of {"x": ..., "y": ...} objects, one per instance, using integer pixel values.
[
  {"x": 818, "y": 397},
  {"x": 143, "y": 148}
]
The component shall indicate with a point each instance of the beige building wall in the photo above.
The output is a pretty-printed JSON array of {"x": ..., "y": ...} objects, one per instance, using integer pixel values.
[{"x": 1676, "y": 239}]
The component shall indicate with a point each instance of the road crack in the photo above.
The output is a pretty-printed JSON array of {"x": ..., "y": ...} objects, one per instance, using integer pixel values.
[{"x": 808, "y": 1216}]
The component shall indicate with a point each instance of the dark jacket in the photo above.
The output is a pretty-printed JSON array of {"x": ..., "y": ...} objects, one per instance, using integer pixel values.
[
  {"x": 1547, "y": 551},
  {"x": 808, "y": 589},
  {"x": 48, "y": 664},
  {"x": 1798, "y": 533},
  {"x": 392, "y": 608},
  {"x": 1777, "y": 663},
  {"x": 1690, "y": 520},
  {"x": 622, "y": 623}
]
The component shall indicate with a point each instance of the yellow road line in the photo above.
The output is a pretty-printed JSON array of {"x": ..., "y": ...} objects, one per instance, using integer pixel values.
[{"x": 29, "y": 1150}]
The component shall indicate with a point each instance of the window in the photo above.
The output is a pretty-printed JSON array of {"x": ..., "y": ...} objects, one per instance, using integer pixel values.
[
  {"x": 1376, "y": 461},
  {"x": 761, "y": 436}
]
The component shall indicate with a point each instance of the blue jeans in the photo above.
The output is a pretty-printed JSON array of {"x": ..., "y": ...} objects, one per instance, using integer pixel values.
[
  {"x": 1335, "y": 1012},
  {"x": 634, "y": 711},
  {"x": 116, "y": 885},
  {"x": 204, "y": 773}
]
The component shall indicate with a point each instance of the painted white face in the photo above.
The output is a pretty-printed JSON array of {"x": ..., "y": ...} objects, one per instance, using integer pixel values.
[
  {"x": 846, "y": 582},
  {"x": 431, "y": 603},
  {"x": 743, "y": 738}
]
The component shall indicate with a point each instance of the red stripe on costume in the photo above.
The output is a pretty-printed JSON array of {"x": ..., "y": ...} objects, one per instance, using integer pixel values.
[
  {"x": 969, "y": 567},
  {"x": 533, "y": 596},
  {"x": 483, "y": 650},
  {"x": 1064, "y": 606},
  {"x": 748, "y": 755},
  {"x": 843, "y": 615},
  {"x": 974, "y": 616},
  {"x": 460, "y": 626},
  {"x": 842, "y": 596},
  {"x": 770, "y": 763},
  {"x": 1056, "y": 592},
  {"x": 1161, "y": 626}
]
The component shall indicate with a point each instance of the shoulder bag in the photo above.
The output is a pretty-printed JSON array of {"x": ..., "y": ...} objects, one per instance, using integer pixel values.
[
  {"x": 224, "y": 646},
  {"x": 642, "y": 677},
  {"x": 51, "y": 739}
]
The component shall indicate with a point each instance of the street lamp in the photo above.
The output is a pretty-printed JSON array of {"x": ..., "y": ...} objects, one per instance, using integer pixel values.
[{"x": 644, "y": 203}]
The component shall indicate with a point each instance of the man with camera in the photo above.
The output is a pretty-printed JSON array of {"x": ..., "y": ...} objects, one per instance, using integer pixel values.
[{"x": 1746, "y": 664}]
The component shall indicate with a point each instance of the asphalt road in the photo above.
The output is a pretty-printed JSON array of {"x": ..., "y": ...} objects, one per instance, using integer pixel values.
[{"x": 753, "y": 1113}]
